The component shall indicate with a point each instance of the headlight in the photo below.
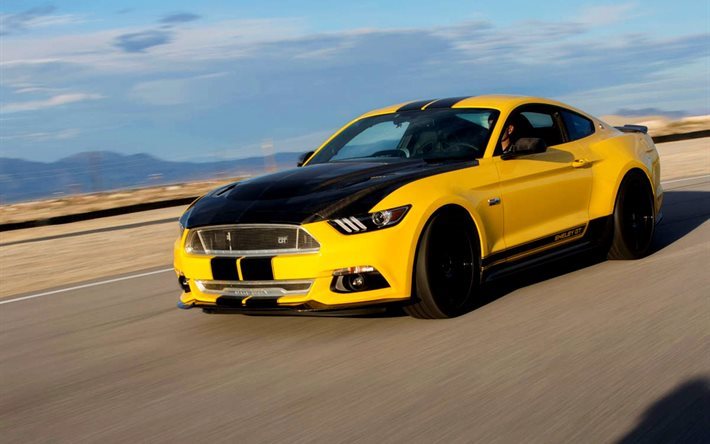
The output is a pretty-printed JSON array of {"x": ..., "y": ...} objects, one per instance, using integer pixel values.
[{"x": 370, "y": 221}]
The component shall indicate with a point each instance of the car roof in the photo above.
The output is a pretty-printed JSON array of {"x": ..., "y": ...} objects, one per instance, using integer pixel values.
[{"x": 501, "y": 102}]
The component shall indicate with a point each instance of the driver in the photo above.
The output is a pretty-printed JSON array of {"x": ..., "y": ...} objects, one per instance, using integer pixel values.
[{"x": 514, "y": 131}]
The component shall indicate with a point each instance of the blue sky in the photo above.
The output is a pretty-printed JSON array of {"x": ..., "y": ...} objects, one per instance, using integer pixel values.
[{"x": 209, "y": 80}]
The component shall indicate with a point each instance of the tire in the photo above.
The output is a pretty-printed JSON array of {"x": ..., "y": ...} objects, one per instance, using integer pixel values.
[
  {"x": 446, "y": 269},
  {"x": 634, "y": 219}
]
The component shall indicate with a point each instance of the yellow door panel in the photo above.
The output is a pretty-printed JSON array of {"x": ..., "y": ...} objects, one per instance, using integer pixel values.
[{"x": 544, "y": 193}]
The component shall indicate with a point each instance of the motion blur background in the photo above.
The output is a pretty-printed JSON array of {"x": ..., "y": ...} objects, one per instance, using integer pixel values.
[
  {"x": 99, "y": 95},
  {"x": 107, "y": 104}
]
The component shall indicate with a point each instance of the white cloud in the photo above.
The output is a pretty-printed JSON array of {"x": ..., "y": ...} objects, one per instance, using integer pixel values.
[
  {"x": 603, "y": 15},
  {"x": 683, "y": 88},
  {"x": 65, "y": 134},
  {"x": 212, "y": 75},
  {"x": 227, "y": 85},
  {"x": 162, "y": 92},
  {"x": 39, "y": 17},
  {"x": 166, "y": 92},
  {"x": 58, "y": 100},
  {"x": 32, "y": 89},
  {"x": 190, "y": 47},
  {"x": 56, "y": 20}
]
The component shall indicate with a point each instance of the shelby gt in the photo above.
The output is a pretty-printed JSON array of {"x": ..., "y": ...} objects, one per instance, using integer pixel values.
[{"x": 419, "y": 204}]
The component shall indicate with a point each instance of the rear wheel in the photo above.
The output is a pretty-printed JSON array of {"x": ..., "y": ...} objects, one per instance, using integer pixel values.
[
  {"x": 634, "y": 218},
  {"x": 446, "y": 268}
]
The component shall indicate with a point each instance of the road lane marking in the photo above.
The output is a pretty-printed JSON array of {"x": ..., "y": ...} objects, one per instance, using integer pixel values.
[{"x": 79, "y": 287}]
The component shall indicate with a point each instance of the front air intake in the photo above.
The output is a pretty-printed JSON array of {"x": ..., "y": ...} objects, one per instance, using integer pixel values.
[{"x": 250, "y": 240}]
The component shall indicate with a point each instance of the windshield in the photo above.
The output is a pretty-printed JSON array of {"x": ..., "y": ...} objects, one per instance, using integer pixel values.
[{"x": 436, "y": 134}]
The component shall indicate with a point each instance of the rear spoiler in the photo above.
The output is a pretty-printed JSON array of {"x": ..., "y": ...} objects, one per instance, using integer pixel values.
[{"x": 633, "y": 129}]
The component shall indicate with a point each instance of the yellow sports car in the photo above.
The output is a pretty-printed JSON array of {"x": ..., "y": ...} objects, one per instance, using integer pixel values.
[{"x": 418, "y": 204}]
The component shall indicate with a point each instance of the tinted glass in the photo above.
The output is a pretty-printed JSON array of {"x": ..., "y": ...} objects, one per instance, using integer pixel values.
[
  {"x": 539, "y": 120},
  {"x": 437, "y": 134},
  {"x": 577, "y": 126},
  {"x": 378, "y": 137},
  {"x": 538, "y": 123}
]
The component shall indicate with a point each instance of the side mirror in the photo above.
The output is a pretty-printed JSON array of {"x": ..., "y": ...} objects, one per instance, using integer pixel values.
[
  {"x": 303, "y": 158},
  {"x": 525, "y": 146}
]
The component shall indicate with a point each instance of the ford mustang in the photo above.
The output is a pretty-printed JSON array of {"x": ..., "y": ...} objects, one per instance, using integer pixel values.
[{"x": 419, "y": 204}]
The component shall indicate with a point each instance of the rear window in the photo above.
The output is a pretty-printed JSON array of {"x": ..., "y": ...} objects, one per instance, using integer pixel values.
[{"x": 577, "y": 126}]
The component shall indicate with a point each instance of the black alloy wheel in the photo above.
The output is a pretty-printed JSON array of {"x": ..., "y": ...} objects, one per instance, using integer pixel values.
[
  {"x": 634, "y": 218},
  {"x": 446, "y": 268}
]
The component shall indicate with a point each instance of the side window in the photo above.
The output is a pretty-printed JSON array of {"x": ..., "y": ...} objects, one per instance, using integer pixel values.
[
  {"x": 545, "y": 126},
  {"x": 577, "y": 126},
  {"x": 539, "y": 120}
]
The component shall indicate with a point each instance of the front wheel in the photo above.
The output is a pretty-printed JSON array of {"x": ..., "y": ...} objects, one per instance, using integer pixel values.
[
  {"x": 446, "y": 268},
  {"x": 634, "y": 218}
]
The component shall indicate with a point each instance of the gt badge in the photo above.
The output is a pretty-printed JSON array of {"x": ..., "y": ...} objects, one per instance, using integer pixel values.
[{"x": 569, "y": 233}]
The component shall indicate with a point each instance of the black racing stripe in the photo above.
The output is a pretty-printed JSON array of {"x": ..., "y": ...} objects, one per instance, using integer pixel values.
[
  {"x": 224, "y": 269},
  {"x": 446, "y": 103},
  {"x": 415, "y": 106},
  {"x": 363, "y": 200},
  {"x": 312, "y": 194},
  {"x": 257, "y": 269}
]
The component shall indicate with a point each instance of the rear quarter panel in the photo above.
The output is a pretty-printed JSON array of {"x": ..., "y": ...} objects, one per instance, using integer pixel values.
[{"x": 615, "y": 154}]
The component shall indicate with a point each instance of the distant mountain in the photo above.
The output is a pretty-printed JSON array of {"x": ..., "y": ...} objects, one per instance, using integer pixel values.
[{"x": 94, "y": 171}]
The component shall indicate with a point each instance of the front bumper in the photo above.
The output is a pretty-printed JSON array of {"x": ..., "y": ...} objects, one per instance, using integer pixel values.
[{"x": 304, "y": 282}]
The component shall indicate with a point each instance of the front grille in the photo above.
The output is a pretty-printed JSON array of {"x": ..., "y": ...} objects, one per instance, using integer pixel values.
[
  {"x": 250, "y": 240},
  {"x": 255, "y": 288}
]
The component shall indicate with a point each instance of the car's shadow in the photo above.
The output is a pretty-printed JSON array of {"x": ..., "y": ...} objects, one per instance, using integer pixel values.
[
  {"x": 683, "y": 212},
  {"x": 679, "y": 416}
]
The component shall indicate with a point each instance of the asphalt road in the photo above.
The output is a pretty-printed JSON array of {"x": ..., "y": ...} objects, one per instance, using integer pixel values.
[{"x": 575, "y": 352}]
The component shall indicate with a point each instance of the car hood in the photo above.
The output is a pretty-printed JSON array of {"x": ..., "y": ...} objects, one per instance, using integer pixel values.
[{"x": 311, "y": 193}]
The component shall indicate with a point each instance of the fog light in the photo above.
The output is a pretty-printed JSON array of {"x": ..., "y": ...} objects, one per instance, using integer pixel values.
[
  {"x": 184, "y": 284},
  {"x": 355, "y": 279}
]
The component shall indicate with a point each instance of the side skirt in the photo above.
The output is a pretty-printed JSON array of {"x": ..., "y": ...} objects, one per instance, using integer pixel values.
[{"x": 545, "y": 250}]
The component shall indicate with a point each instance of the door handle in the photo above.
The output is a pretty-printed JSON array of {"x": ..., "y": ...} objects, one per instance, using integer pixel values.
[{"x": 580, "y": 163}]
